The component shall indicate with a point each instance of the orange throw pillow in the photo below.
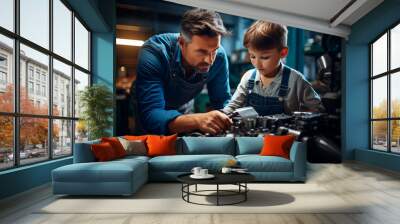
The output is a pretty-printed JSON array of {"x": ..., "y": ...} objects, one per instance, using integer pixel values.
[
  {"x": 277, "y": 145},
  {"x": 161, "y": 145},
  {"x": 135, "y": 137},
  {"x": 116, "y": 145},
  {"x": 103, "y": 151}
]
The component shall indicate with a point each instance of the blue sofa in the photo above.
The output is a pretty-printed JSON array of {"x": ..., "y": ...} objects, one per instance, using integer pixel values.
[{"x": 125, "y": 176}]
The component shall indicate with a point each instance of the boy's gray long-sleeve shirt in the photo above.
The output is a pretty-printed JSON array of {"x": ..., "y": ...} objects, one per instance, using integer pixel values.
[{"x": 301, "y": 96}]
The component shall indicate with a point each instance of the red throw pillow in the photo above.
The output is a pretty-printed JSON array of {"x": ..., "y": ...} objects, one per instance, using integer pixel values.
[
  {"x": 103, "y": 152},
  {"x": 277, "y": 145},
  {"x": 134, "y": 137},
  {"x": 161, "y": 145},
  {"x": 116, "y": 145}
]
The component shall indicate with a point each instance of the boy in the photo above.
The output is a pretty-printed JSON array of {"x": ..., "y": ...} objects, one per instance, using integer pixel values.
[{"x": 272, "y": 87}]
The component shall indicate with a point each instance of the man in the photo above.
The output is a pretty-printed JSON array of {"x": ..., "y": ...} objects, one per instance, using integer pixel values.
[{"x": 172, "y": 70}]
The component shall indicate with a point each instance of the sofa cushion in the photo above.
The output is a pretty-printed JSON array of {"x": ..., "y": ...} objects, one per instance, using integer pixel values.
[
  {"x": 103, "y": 152},
  {"x": 112, "y": 171},
  {"x": 116, "y": 145},
  {"x": 185, "y": 163},
  {"x": 135, "y": 137},
  {"x": 134, "y": 147},
  {"x": 206, "y": 145},
  {"x": 257, "y": 163},
  {"x": 277, "y": 145},
  {"x": 248, "y": 145},
  {"x": 159, "y": 145}
]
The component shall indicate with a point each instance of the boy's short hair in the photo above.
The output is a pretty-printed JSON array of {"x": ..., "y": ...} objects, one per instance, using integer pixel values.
[
  {"x": 202, "y": 22},
  {"x": 263, "y": 35}
]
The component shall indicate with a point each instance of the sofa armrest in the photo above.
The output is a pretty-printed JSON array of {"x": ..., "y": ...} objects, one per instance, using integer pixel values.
[
  {"x": 83, "y": 152},
  {"x": 298, "y": 155}
]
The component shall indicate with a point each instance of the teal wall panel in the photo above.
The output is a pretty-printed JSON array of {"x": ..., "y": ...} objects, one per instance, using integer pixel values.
[{"x": 24, "y": 178}]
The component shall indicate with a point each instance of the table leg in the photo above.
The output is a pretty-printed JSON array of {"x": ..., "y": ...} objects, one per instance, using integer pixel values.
[
  {"x": 217, "y": 194},
  {"x": 245, "y": 193}
]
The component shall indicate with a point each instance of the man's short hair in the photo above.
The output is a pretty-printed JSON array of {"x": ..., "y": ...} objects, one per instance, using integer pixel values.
[
  {"x": 263, "y": 35},
  {"x": 202, "y": 22}
]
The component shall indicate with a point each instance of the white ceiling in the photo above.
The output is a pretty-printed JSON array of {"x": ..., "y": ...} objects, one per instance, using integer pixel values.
[
  {"x": 323, "y": 16},
  {"x": 321, "y": 9}
]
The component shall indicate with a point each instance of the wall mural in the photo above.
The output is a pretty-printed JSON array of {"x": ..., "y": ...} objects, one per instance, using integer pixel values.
[{"x": 164, "y": 88}]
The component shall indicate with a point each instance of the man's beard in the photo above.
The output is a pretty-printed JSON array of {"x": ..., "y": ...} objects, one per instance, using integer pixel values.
[{"x": 202, "y": 68}]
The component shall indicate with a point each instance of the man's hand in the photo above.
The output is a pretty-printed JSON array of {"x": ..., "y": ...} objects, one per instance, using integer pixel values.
[{"x": 212, "y": 122}]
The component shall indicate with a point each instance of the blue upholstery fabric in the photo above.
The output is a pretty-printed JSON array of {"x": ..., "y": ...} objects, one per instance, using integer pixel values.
[
  {"x": 298, "y": 155},
  {"x": 119, "y": 177},
  {"x": 257, "y": 163},
  {"x": 83, "y": 152},
  {"x": 184, "y": 163},
  {"x": 206, "y": 145},
  {"x": 249, "y": 145}
]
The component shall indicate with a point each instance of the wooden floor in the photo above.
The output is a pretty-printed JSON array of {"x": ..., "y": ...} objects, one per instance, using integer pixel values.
[{"x": 377, "y": 188}]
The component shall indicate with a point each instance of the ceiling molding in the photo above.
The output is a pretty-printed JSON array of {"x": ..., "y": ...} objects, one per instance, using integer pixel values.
[
  {"x": 272, "y": 15},
  {"x": 346, "y": 12}
]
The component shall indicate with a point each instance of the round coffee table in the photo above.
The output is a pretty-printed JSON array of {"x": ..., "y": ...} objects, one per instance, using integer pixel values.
[{"x": 238, "y": 179}]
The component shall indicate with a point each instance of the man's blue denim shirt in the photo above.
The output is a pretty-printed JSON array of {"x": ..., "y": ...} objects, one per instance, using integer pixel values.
[{"x": 153, "y": 76}]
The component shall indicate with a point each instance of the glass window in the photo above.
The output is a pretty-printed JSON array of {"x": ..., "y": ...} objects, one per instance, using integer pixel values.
[
  {"x": 385, "y": 128},
  {"x": 30, "y": 71},
  {"x": 40, "y": 61},
  {"x": 62, "y": 29},
  {"x": 81, "y": 81},
  {"x": 37, "y": 89},
  {"x": 62, "y": 72},
  {"x": 62, "y": 138},
  {"x": 6, "y": 142},
  {"x": 7, "y": 14},
  {"x": 3, "y": 78},
  {"x": 379, "y": 135},
  {"x": 3, "y": 61},
  {"x": 379, "y": 97},
  {"x": 7, "y": 74},
  {"x": 30, "y": 87},
  {"x": 35, "y": 21},
  {"x": 34, "y": 80},
  {"x": 34, "y": 142},
  {"x": 395, "y": 95},
  {"x": 81, "y": 45},
  {"x": 395, "y": 47},
  {"x": 395, "y": 136},
  {"x": 379, "y": 56},
  {"x": 37, "y": 75},
  {"x": 81, "y": 131},
  {"x": 43, "y": 90}
]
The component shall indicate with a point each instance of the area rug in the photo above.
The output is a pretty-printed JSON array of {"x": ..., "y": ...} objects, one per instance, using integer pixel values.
[{"x": 167, "y": 198}]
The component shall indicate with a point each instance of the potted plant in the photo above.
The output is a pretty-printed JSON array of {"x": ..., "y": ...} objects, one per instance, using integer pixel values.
[{"x": 96, "y": 103}]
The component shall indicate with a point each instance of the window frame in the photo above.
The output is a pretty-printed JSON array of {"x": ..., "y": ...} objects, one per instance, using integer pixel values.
[
  {"x": 388, "y": 74},
  {"x": 16, "y": 114}
]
